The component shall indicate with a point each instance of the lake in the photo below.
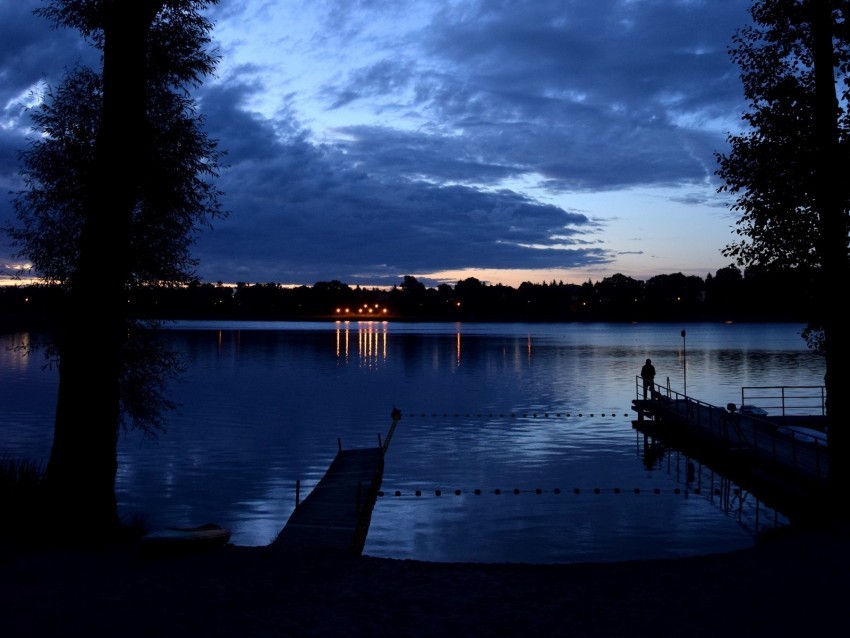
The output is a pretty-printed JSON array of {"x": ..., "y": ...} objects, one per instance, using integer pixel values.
[{"x": 535, "y": 417}]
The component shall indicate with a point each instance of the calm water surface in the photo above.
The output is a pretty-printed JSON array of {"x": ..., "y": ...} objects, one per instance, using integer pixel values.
[{"x": 541, "y": 409}]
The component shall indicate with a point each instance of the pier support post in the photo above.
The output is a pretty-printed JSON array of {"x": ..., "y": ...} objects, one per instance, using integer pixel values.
[{"x": 359, "y": 493}]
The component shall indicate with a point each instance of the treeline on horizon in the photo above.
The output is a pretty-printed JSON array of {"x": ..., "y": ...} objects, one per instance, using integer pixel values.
[{"x": 728, "y": 295}]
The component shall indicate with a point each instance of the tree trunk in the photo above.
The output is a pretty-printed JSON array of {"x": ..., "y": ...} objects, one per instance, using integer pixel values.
[
  {"x": 83, "y": 461},
  {"x": 833, "y": 246}
]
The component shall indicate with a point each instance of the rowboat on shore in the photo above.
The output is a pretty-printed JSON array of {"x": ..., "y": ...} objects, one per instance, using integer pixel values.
[{"x": 180, "y": 539}]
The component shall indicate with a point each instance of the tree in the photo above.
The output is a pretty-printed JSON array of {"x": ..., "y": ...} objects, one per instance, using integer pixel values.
[
  {"x": 724, "y": 291},
  {"x": 114, "y": 191},
  {"x": 621, "y": 296},
  {"x": 408, "y": 298},
  {"x": 788, "y": 169}
]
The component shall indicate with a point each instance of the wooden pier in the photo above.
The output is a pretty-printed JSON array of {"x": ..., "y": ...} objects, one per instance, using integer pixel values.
[
  {"x": 780, "y": 458},
  {"x": 335, "y": 516}
]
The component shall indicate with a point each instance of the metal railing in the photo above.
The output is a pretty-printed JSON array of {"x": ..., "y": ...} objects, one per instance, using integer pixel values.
[
  {"x": 715, "y": 420},
  {"x": 801, "y": 450},
  {"x": 787, "y": 399}
]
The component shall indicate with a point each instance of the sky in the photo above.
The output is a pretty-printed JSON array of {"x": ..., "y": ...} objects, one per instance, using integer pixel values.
[{"x": 507, "y": 140}]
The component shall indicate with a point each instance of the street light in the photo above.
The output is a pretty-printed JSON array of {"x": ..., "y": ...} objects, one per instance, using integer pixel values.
[{"x": 685, "y": 360}]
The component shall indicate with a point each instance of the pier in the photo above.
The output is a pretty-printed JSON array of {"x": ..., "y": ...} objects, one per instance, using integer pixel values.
[
  {"x": 336, "y": 514},
  {"x": 780, "y": 454}
]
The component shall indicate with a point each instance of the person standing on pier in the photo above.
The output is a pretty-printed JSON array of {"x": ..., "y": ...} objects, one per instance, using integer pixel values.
[{"x": 647, "y": 373}]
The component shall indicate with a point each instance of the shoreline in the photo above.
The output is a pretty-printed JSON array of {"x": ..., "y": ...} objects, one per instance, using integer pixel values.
[{"x": 790, "y": 584}]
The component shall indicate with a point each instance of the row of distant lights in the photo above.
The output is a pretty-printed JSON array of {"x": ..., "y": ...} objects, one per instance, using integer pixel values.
[{"x": 365, "y": 309}]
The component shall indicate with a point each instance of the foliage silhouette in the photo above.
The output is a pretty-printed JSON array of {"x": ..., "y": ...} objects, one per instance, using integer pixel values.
[
  {"x": 114, "y": 192},
  {"x": 788, "y": 170}
]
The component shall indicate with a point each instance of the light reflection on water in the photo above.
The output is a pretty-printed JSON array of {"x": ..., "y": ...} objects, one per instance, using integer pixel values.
[{"x": 487, "y": 407}]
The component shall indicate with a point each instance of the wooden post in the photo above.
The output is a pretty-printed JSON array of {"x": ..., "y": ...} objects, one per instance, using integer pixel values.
[
  {"x": 339, "y": 443},
  {"x": 396, "y": 415}
]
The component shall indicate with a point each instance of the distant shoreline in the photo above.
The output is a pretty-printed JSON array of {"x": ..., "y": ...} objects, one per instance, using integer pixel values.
[{"x": 23, "y": 322}]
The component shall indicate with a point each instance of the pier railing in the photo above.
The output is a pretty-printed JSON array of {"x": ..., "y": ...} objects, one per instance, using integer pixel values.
[
  {"x": 788, "y": 441},
  {"x": 787, "y": 400},
  {"x": 709, "y": 418}
]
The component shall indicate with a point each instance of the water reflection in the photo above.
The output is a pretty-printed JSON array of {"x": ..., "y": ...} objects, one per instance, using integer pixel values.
[
  {"x": 485, "y": 407},
  {"x": 372, "y": 342}
]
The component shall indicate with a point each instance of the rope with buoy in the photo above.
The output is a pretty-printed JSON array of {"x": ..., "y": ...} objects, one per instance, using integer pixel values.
[
  {"x": 514, "y": 415},
  {"x": 555, "y": 491}
]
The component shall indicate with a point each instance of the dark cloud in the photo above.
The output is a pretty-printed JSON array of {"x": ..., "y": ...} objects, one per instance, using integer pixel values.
[
  {"x": 33, "y": 50},
  {"x": 483, "y": 114},
  {"x": 382, "y": 78},
  {"x": 601, "y": 95},
  {"x": 306, "y": 212},
  {"x": 33, "y": 55}
]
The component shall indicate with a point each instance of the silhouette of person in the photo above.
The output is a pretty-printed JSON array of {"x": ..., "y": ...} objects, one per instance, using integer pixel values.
[{"x": 647, "y": 373}]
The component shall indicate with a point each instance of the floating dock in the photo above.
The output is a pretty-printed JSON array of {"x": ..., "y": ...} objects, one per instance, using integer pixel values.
[{"x": 335, "y": 516}]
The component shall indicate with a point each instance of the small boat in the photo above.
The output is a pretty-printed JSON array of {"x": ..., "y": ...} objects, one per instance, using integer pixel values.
[
  {"x": 752, "y": 410},
  {"x": 180, "y": 539}
]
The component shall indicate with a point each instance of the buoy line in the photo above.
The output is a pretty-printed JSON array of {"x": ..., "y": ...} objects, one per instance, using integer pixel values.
[
  {"x": 514, "y": 415},
  {"x": 538, "y": 491}
]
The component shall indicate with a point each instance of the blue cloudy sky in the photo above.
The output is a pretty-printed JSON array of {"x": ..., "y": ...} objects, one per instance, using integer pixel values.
[{"x": 508, "y": 140}]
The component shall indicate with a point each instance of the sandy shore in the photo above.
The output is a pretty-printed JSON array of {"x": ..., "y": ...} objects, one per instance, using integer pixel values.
[{"x": 789, "y": 585}]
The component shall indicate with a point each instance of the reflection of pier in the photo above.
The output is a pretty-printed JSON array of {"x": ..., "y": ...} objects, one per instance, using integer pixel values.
[
  {"x": 781, "y": 459},
  {"x": 336, "y": 514},
  {"x": 714, "y": 486}
]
